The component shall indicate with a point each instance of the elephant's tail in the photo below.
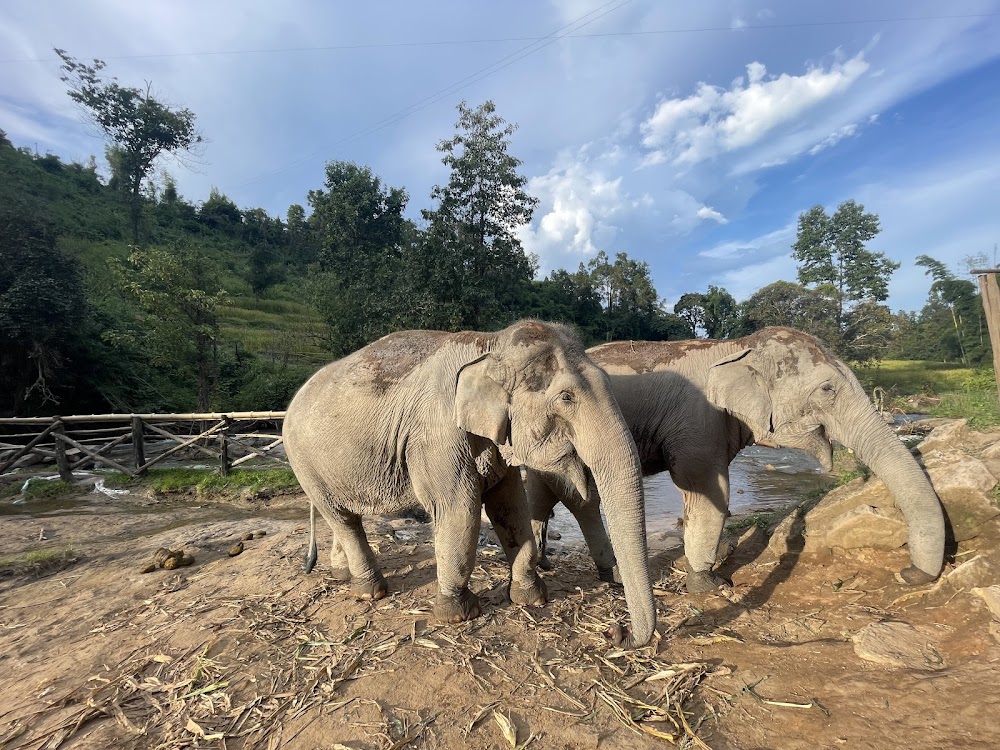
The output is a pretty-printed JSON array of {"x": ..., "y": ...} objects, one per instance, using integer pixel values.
[{"x": 311, "y": 553}]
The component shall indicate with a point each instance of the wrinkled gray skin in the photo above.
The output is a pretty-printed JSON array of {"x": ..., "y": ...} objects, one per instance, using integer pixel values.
[
  {"x": 444, "y": 420},
  {"x": 693, "y": 405}
]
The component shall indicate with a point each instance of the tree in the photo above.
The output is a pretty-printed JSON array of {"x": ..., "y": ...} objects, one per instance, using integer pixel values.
[
  {"x": 961, "y": 299},
  {"x": 362, "y": 233},
  {"x": 786, "y": 304},
  {"x": 475, "y": 266},
  {"x": 140, "y": 127},
  {"x": 177, "y": 294},
  {"x": 833, "y": 257},
  {"x": 220, "y": 213},
  {"x": 716, "y": 313},
  {"x": 626, "y": 292},
  {"x": 42, "y": 308}
]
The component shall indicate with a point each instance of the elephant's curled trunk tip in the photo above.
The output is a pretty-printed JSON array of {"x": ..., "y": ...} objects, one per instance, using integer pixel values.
[{"x": 621, "y": 636}]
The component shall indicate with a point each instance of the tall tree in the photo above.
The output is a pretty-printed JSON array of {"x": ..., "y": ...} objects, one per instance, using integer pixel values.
[
  {"x": 961, "y": 299},
  {"x": 715, "y": 312},
  {"x": 834, "y": 259},
  {"x": 362, "y": 233},
  {"x": 478, "y": 267},
  {"x": 783, "y": 303},
  {"x": 42, "y": 308},
  {"x": 139, "y": 126},
  {"x": 177, "y": 294}
]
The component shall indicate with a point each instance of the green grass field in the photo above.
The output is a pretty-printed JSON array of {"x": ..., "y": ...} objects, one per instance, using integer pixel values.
[
  {"x": 208, "y": 481},
  {"x": 964, "y": 392}
]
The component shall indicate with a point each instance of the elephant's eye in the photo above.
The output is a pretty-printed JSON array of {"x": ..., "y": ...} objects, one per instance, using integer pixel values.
[
  {"x": 827, "y": 387},
  {"x": 566, "y": 397}
]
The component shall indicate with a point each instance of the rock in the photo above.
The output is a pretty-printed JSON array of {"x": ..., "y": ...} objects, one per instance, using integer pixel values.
[
  {"x": 866, "y": 526},
  {"x": 899, "y": 644},
  {"x": 952, "y": 470},
  {"x": 978, "y": 572},
  {"x": 554, "y": 535},
  {"x": 187, "y": 560},
  {"x": 991, "y": 596},
  {"x": 247, "y": 537},
  {"x": 151, "y": 567},
  {"x": 968, "y": 510},
  {"x": 770, "y": 467},
  {"x": 786, "y": 537},
  {"x": 260, "y": 533},
  {"x": 946, "y": 436},
  {"x": 236, "y": 549}
]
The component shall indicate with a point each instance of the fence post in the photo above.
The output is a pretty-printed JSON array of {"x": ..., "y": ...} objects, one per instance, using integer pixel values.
[
  {"x": 138, "y": 446},
  {"x": 62, "y": 462},
  {"x": 224, "y": 450}
]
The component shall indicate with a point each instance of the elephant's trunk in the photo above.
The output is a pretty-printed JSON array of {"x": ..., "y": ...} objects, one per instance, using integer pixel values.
[
  {"x": 611, "y": 455},
  {"x": 854, "y": 423}
]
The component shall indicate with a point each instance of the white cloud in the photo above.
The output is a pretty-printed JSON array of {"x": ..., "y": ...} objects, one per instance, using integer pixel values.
[
  {"x": 706, "y": 212},
  {"x": 713, "y": 120},
  {"x": 834, "y": 138}
]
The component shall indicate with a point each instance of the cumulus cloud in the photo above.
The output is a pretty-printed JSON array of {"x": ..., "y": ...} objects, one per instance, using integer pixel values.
[
  {"x": 707, "y": 212},
  {"x": 713, "y": 120}
]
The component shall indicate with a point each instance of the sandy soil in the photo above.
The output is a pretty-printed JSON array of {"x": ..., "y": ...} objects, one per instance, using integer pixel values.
[{"x": 248, "y": 652}]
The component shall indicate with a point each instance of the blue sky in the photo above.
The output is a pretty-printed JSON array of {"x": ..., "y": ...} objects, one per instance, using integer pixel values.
[{"x": 693, "y": 148}]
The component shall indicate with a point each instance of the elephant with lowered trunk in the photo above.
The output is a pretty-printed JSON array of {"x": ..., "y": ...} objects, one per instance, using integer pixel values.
[
  {"x": 693, "y": 405},
  {"x": 444, "y": 420}
]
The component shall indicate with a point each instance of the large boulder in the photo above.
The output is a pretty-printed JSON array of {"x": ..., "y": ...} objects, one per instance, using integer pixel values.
[
  {"x": 866, "y": 526},
  {"x": 951, "y": 470}
]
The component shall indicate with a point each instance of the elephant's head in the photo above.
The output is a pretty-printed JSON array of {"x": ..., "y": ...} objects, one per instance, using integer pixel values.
[
  {"x": 789, "y": 390},
  {"x": 538, "y": 396}
]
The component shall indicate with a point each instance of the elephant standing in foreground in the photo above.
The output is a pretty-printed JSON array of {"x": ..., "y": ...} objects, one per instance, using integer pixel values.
[
  {"x": 693, "y": 405},
  {"x": 444, "y": 420}
]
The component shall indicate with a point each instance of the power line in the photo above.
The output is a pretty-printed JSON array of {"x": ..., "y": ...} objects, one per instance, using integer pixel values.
[
  {"x": 427, "y": 101},
  {"x": 497, "y": 40}
]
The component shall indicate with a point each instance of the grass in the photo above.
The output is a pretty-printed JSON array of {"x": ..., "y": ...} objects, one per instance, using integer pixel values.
[
  {"x": 206, "y": 481},
  {"x": 37, "y": 562},
  {"x": 48, "y": 489},
  {"x": 947, "y": 390}
]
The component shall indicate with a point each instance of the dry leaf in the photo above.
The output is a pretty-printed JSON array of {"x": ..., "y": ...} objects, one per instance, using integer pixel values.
[{"x": 507, "y": 727}]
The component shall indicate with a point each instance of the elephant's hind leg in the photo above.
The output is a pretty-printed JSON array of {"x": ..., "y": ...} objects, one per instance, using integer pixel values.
[
  {"x": 541, "y": 501},
  {"x": 506, "y": 506},
  {"x": 351, "y": 546}
]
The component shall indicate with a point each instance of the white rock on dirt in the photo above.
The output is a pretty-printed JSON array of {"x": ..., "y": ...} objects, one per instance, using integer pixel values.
[
  {"x": 978, "y": 572},
  {"x": 991, "y": 596},
  {"x": 946, "y": 436},
  {"x": 899, "y": 644},
  {"x": 866, "y": 526},
  {"x": 953, "y": 470}
]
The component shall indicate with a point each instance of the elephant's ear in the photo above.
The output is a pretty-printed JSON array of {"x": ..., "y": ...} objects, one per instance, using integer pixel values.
[
  {"x": 482, "y": 405},
  {"x": 736, "y": 385}
]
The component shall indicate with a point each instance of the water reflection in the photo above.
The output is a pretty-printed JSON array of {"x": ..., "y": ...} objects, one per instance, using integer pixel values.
[{"x": 759, "y": 478}]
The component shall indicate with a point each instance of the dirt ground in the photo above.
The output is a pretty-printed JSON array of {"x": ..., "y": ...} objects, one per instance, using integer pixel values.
[{"x": 249, "y": 652}]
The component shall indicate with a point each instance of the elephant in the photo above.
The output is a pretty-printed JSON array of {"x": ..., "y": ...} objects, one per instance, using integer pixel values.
[
  {"x": 693, "y": 405},
  {"x": 445, "y": 421}
]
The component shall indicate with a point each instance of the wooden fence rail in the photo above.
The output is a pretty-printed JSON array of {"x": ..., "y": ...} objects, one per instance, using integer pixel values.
[{"x": 75, "y": 441}]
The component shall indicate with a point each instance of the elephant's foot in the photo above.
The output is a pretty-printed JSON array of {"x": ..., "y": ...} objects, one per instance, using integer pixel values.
[
  {"x": 376, "y": 589},
  {"x": 457, "y": 609},
  {"x": 340, "y": 574},
  {"x": 609, "y": 575},
  {"x": 529, "y": 593},
  {"x": 914, "y": 576},
  {"x": 703, "y": 581}
]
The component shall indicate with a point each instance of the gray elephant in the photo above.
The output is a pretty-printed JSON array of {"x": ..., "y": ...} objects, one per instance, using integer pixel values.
[
  {"x": 444, "y": 420},
  {"x": 693, "y": 405}
]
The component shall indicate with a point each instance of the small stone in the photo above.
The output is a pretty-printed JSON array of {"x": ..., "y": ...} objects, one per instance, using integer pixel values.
[
  {"x": 899, "y": 644},
  {"x": 247, "y": 537},
  {"x": 186, "y": 560},
  {"x": 149, "y": 568},
  {"x": 554, "y": 535},
  {"x": 236, "y": 549},
  {"x": 769, "y": 467},
  {"x": 990, "y": 595},
  {"x": 260, "y": 533},
  {"x": 172, "y": 562}
]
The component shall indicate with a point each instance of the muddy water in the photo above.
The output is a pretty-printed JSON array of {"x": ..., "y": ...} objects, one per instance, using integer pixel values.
[{"x": 760, "y": 478}]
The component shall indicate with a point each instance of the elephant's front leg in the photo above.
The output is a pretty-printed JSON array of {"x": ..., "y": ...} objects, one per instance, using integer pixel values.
[
  {"x": 588, "y": 514},
  {"x": 456, "y": 534},
  {"x": 706, "y": 500},
  {"x": 541, "y": 501},
  {"x": 507, "y": 508}
]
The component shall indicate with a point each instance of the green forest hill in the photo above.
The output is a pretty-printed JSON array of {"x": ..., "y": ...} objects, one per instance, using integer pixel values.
[{"x": 120, "y": 294}]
